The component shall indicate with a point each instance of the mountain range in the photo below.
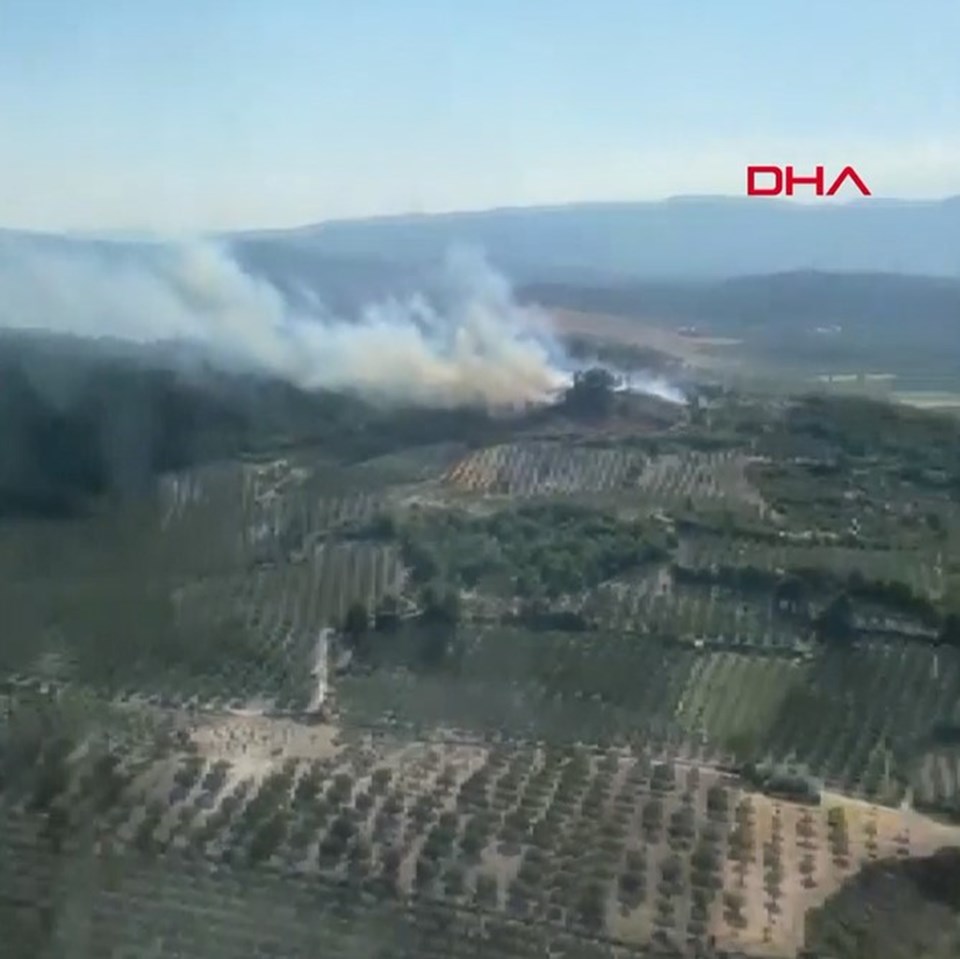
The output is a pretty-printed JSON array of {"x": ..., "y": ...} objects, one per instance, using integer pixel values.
[{"x": 680, "y": 238}]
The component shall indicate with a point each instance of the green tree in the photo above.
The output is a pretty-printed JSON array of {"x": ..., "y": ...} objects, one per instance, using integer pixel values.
[
  {"x": 834, "y": 624},
  {"x": 592, "y": 906},
  {"x": 356, "y": 626},
  {"x": 950, "y": 630},
  {"x": 791, "y": 591},
  {"x": 387, "y": 615},
  {"x": 441, "y": 607},
  {"x": 592, "y": 394}
]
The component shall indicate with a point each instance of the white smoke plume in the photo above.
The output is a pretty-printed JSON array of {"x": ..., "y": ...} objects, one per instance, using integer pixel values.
[
  {"x": 654, "y": 386},
  {"x": 482, "y": 348}
]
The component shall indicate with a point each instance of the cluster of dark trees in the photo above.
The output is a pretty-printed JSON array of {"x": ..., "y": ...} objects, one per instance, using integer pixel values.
[
  {"x": 592, "y": 394},
  {"x": 439, "y": 613},
  {"x": 924, "y": 444},
  {"x": 78, "y": 423},
  {"x": 532, "y": 551},
  {"x": 901, "y": 909},
  {"x": 835, "y": 623},
  {"x": 781, "y": 781},
  {"x": 77, "y": 427},
  {"x": 115, "y": 431}
]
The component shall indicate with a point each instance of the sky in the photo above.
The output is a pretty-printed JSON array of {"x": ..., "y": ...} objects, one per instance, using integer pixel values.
[{"x": 192, "y": 115}]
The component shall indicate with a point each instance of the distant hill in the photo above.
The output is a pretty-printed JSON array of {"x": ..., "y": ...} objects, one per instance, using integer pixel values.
[{"x": 685, "y": 237}]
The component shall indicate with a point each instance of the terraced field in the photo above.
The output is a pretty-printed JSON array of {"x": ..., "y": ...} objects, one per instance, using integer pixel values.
[
  {"x": 656, "y": 605},
  {"x": 842, "y": 714},
  {"x": 731, "y": 697},
  {"x": 247, "y": 559},
  {"x": 544, "y": 468},
  {"x": 670, "y": 479},
  {"x": 922, "y": 571}
]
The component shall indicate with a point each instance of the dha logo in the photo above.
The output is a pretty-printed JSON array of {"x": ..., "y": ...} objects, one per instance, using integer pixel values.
[{"x": 785, "y": 180}]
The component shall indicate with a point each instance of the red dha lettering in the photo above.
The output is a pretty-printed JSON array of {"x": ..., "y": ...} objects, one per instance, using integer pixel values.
[
  {"x": 848, "y": 171},
  {"x": 794, "y": 180},
  {"x": 754, "y": 190},
  {"x": 785, "y": 179}
]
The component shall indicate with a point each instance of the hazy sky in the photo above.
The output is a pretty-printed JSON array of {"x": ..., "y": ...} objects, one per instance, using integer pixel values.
[{"x": 187, "y": 114}]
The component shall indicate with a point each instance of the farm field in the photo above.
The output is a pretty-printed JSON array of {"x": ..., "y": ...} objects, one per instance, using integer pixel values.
[
  {"x": 258, "y": 577},
  {"x": 918, "y": 569},
  {"x": 710, "y": 480},
  {"x": 678, "y": 853},
  {"x": 712, "y": 615}
]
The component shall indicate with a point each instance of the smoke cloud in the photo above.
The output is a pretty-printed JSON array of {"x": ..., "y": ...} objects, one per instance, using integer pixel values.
[
  {"x": 479, "y": 347},
  {"x": 470, "y": 343}
]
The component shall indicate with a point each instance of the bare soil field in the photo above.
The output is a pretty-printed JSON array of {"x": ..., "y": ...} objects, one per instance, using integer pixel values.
[
  {"x": 815, "y": 863},
  {"x": 702, "y": 351}
]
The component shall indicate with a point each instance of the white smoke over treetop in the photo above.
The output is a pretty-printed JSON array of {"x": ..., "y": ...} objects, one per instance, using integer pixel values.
[{"x": 480, "y": 348}]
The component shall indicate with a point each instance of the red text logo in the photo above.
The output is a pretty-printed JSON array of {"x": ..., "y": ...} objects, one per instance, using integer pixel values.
[{"x": 777, "y": 181}]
